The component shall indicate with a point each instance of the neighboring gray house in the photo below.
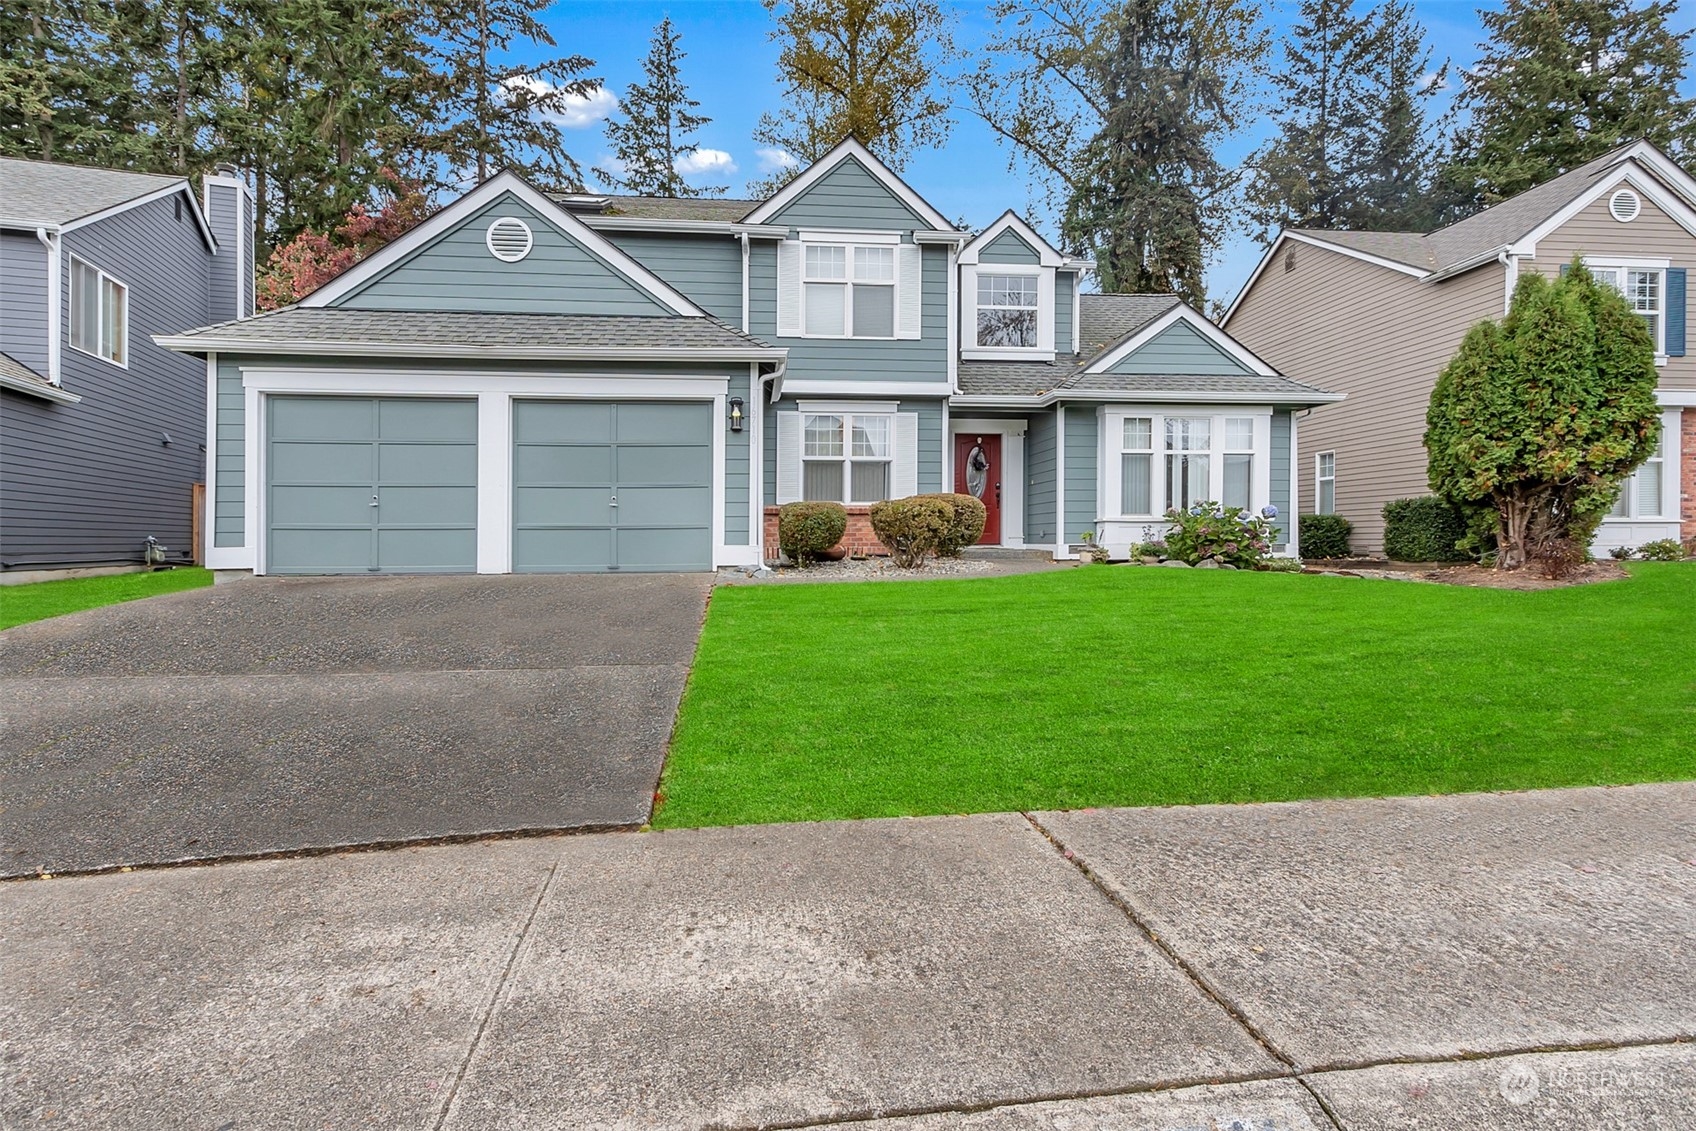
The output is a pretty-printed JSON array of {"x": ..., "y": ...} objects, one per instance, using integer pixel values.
[
  {"x": 102, "y": 432},
  {"x": 577, "y": 382}
]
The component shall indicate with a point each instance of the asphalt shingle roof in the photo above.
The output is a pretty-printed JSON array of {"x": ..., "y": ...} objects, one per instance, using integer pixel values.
[
  {"x": 376, "y": 329},
  {"x": 714, "y": 209},
  {"x": 1103, "y": 322},
  {"x": 45, "y": 192},
  {"x": 1249, "y": 384},
  {"x": 18, "y": 371}
]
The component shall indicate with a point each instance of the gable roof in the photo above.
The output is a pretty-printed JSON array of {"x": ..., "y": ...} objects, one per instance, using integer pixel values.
[
  {"x": 506, "y": 181},
  {"x": 849, "y": 148},
  {"x": 36, "y": 194},
  {"x": 1009, "y": 221}
]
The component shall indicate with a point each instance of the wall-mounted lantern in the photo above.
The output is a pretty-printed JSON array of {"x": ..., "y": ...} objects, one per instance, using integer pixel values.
[{"x": 736, "y": 414}]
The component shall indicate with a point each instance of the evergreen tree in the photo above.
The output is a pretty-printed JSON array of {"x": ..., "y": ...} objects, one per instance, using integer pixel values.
[
  {"x": 658, "y": 117},
  {"x": 867, "y": 69},
  {"x": 491, "y": 114},
  {"x": 1564, "y": 81},
  {"x": 1118, "y": 107},
  {"x": 1399, "y": 153},
  {"x": 1306, "y": 176}
]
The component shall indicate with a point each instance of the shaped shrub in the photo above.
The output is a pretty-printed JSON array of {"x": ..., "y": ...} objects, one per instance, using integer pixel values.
[
  {"x": 807, "y": 530},
  {"x": 1662, "y": 550},
  {"x": 1206, "y": 531},
  {"x": 1324, "y": 535},
  {"x": 965, "y": 528},
  {"x": 912, "y": 528},
  {"x": 1426, "y": 529}
]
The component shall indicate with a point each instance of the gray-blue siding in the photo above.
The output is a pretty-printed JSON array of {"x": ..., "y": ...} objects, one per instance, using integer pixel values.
[
  {"x": 1063, "y": 282},
  {"x": 85, "y": 484},
  {"x": 225, "y": 204},
  {"x": 229, "y": 507},
  {"x": 1083, "y": 438},
  {"x": 707, "y": 269},
  {"x": 849, "y": 197},
  {"x": 456, "y": 272},
  {"x": 1008, "y": 247},
  {"x": 930, "y": 444},
  {"x": 1179, "y": 348},
  {"x": 23, "y": 299},
  {"x": 839, "y": 359},
  {"x": 1040, "y": 478}
]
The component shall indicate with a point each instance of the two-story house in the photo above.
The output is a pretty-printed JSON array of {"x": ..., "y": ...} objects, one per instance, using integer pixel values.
[
  {"x": 1376, "y": 315},
  {"x": 533, "y": 382},
  {"x": 102, "y": 431}
]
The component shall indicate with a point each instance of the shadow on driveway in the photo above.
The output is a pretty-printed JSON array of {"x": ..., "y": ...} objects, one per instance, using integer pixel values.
[{"x": 279, "y": 715}]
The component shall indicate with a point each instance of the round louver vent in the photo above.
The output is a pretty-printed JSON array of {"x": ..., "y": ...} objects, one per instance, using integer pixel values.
[
  {"x": 1624, "y": 206},
  {"x": 509, "y": 239}
]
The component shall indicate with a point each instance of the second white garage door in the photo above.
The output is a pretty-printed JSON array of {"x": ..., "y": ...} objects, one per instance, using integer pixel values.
[{"x": 612, "y": 485}]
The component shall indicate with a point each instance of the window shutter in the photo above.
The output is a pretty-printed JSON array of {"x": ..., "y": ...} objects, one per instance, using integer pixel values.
[
  {"x": 789, "y": 289},
  {"x": 788, "y": 457},
  {"x": 909, "y": 290},
  {"x": 906, "y": 478},
  {"x": 1675, "y": 311}
]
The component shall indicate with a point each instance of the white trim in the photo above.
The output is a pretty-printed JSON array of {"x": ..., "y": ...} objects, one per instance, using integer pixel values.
[
  {"x": 1676, "y": 398},
  {"x": 1292, "y": 516},
  {"x": 868, "y": 408},
  {"x": 745, "y": 280},
  {"x": 195, "y": 343},
  {"x": 100, "y": 311},
  {"x": 1676, "y": 208},
  {"x": 56, "y": 325},
  {"x": 848, "y": 235},
  {"x": 1047, "y": 254},
  {"x": 848, "y": 147},
  {"x": 801, "y": 386},
  {"x": 851, "y": 285},
  {"x": 369, "y": 268},
  {"x": 1364, "y": 256},
  {"x": 1181, "y": 313},
  {"x": 1510, "y": 278},
  {"x": 1062, "y": 544},
  {"x": 1623, "y": 194},
  {"x": 754, "y": 429},
  {"x": 1318, "y": 478},
  {"x": 953, "y": 330},
  {"x": 45, "y": 392},
  {"x": 495, "y": 531},
  {"x": 209, "y": 521},
  {"x": 1077, "y": 316},
  {"x": 517, "y": 226},
  {"x": 1045, "y": 284},
  {"x": 255, "y": 470},
  {"x": 1153, "y": 396},
  {"x": 1271, "y": 255},
  {"x": 684, "y": 227},
  {"x": 181, "y": 186},
  {"x": 448, "y": 383},
  {"x": 1012, "y": 432}
]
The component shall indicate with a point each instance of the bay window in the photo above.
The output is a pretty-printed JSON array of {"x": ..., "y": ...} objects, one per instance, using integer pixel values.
[
  {"x": 1136, "y": 466},
  {"x": 1188, "y": 456},
  {"x": 1172, "y": 460},
  {"x": 848, "y": 291},
  {"x": 99, "y": 313},
  {"x": 845, "y": 458},
  {"x": 1239, "y": 462},
  {"x": 1643, "y": 286},
  {"x": 1007, "y": 311}
]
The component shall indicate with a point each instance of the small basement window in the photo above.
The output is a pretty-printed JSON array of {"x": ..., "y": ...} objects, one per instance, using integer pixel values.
[{"x": 509, "y": 239}]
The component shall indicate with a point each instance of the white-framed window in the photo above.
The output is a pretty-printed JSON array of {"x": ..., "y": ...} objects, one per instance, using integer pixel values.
[
  {"x": 848, "y": 291},
  {"x": 1238, "y": 459},
  {"x": 100, "y": 316},
  {"x": 1325, "y": 467},
  {"x": 1172, "y": 459},
  {"x": 1644, "y": 287},
  {"x": 1008, "y": 315},
  {"x": 1644, "y": 494},
  {"x": 1136, "y": 465},
  {"x": 1189, "y": 459},
  {"x": 846, "y": 457}
]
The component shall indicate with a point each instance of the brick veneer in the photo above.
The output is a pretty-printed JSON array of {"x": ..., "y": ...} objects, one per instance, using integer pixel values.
[
  {"x": 858, "y": 539},
  {"x": 1687, "y": 476}
]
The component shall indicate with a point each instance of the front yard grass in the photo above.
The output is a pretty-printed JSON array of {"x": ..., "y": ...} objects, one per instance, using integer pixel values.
[
  {"x": 20, "y": 604},
  {"x": 1128, "y": 686}
]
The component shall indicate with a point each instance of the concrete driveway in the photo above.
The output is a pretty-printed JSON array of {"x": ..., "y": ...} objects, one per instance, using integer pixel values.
[{"x": 278, "y": 715}]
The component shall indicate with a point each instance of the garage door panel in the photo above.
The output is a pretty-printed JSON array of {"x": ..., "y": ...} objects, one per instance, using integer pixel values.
[
  {"x": 432, "y": 506},
  {"x": 641, "y": 423},
  {"x": 657, "y": 465},
  {"x": 323, "y": 418},
  {"x": 562, "y": 550},
  {"x": 300, "y": 462},
  {"x": 564, "y": 464},
  {"x": 321, "y": 506},
  {"x": 320, "y": 550},
  {"x": 664, "y": 506},
  {"x": 561, "y": 422},
  {"x": 563, "y": 506},
  {"x": 405, "y": 418},
  {"x": 445, "y": 551},
  {"x": 664, "y": 550},
  {"x": 436, "y": 465}
]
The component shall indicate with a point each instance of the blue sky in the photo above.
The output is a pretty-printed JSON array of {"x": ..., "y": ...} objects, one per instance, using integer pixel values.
[{"x": 731, "y": 69}]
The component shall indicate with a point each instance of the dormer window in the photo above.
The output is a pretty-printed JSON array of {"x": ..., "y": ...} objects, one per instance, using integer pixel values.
[{"x": 1007, "y": 311}]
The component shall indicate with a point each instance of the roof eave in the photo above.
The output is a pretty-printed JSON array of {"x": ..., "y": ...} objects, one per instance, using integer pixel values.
[
  {"x": 1146, "y": 396},
  {"x": 692, "y": 227},
  {"x": 203, "y": 344},
  {"x": 47, "y": 392}
]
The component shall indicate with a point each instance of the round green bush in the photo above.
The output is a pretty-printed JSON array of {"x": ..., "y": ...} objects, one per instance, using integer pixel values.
[
  {"x": 1426, "y": 529},
  {"x": 1662, "y": 550},
  {"x": 807, "y": 530},
  {"x": 965, "y": 528},
  {"x": 911, "y": 528},
  {"x": 1324, "y": 535}
]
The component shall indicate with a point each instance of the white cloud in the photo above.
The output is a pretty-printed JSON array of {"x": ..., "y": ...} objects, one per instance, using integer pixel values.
[
  {"x": 774, "y": 160},
  {"x": 713, "y": 161},
  {"x": 581, "y": 110}
]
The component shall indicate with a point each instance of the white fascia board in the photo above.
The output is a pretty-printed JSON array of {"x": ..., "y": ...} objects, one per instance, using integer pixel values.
[
  {"x": 1498, "y": 254},
  {"x": 1148, "y": 397},
  {"x": 849, "y": 147},
  {"x": 1676, "y": 398},
  {"x": 802, "y": 387},
  {"x": 1270, "y": 254},
  {"x": 1671, "y": 203},
  {"x": 45, "y": 392},
  {"x": 1047, "y": 254},
  {"x": 194, "y": 343},
  {"x": 1353, "y": 253},
  {"x": 437, "y": 382},
  {"x": 1182, "y": 312},
  {"x": 158, "y": 194},
  {"x": 688, "y": 227},
  {"x": 557, "y": 214}
]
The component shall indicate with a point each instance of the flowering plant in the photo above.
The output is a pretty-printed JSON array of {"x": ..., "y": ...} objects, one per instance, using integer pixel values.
[{"x": 1207, "y": 531}]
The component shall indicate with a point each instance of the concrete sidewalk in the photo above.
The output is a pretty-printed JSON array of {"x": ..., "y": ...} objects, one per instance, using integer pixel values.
[{"x": 1474, "y": 962}]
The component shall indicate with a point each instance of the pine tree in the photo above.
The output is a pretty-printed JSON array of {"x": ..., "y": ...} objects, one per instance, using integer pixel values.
[
  {"x": 1399, "y": 154},
  {"x": 657, "y": 118},
  {"x": 38, "y": 74},
  {"x": 1564, "y": 81},
  {"x": 868, "y": 69},
  {"x": 493, "y": 115},
  {"x": 1306, "y": 176}
]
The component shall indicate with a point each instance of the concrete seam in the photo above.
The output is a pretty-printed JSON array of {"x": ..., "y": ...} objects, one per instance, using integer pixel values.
[
  {"x": 1336, "y": 1120},
  {"x": 654, "y": 794},
  {"x": 495, "y": 998},
  {"x": 1216, "y": 995}
]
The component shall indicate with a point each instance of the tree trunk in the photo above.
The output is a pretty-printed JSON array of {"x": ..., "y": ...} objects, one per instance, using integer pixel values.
[{"x": 1513, "y": 522}]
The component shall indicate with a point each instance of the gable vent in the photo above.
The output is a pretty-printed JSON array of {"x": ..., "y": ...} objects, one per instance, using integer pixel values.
[
  {"x": 1624, "y": 206},
  {"x": 509, "y": 239}
]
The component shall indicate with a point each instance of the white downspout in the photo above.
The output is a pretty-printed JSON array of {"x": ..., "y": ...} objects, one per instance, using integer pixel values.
[
  {"x": 758, "y": 465},
  {"x": 55, "y": 325},
  {"x": 745, "y": 329},
  {"x": 1510, "y": 276}
]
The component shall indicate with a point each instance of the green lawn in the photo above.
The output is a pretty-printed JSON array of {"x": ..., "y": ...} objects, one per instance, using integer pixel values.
[
  {"x": 1125, "y": 686},
  {"x": 20, "y": 604}
]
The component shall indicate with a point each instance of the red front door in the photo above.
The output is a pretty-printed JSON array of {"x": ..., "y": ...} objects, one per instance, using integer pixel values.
[{"x": 977, "y": 471}]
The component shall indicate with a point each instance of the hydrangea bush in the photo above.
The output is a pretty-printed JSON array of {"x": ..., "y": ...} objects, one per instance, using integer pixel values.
[{"x": 1207, "y": 531}]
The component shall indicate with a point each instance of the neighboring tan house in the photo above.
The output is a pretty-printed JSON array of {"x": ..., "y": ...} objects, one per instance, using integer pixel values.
[
  {"x": 1377, "y": 315},
  {"x": 102, "y": 432},
  {"x": 545, "y": 382}
]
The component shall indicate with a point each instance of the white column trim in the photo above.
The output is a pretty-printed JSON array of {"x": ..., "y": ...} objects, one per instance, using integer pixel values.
[
  {"x": 494, "y": 482},
  {"x": 253, "y": 520}
]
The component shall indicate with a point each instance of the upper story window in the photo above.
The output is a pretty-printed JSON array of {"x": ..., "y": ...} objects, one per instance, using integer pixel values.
[
  {"x": 1007, "y": 311},
  {"x": 1644, "y": 288},
  {"x": 848, "y": 292},
  {"x": 100, "y": 321}
]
